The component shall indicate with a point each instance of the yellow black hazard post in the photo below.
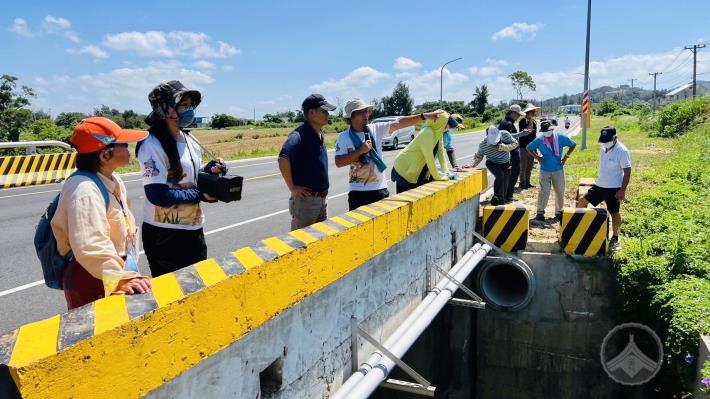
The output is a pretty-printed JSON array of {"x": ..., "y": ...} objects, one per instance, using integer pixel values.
[
  {"x": 506, "y": 226},
  {"x": 30, "y": 170},
  {"x": 584, "y": 231}
]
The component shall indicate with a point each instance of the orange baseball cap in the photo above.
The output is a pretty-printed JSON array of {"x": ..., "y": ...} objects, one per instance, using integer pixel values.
[{"x": 95, "y": 133}]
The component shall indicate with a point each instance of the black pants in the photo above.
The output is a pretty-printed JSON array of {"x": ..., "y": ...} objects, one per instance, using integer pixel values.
[
  {"x": 168, "y": 250},
  {"x": 501, "y": 172},
  {"x": 357, "y": 199},
  {"x": 452, "y": 157},
  {"x": 402, "y": 183},
  {"x": 514, "y": 173}
]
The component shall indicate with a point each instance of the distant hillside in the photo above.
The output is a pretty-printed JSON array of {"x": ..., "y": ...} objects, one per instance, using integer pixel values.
[{"x": 621, "y": 94}]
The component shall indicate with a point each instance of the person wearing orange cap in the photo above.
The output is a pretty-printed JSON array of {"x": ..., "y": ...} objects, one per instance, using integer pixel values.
[
  {"x": 170, "y": 158},
  {"x": 93, "y": 220}
]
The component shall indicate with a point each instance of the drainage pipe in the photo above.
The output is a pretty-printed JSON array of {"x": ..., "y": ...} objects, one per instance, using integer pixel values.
[{"x": 371, "y": 373}]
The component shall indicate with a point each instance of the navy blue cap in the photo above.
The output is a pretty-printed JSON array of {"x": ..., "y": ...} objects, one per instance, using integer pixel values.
[
  {"x": 607, "y": 134},
  {"x": 317, "y": 101}
]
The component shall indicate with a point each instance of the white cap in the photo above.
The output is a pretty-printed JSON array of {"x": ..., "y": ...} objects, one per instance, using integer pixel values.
[{"x": 492, "y": 135}]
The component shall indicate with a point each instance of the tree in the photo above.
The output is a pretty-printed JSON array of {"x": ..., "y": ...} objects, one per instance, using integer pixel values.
[
  {"x": 378, "y": 109},
  {"x": 400, "y": 103},
  {"x": 272, "y": 118},
  {"x": 607, "y": 106},
  {"x": 480, "y": 99},
  {"x": 522, "y": 83},
  {"x": 220, "y": 121},
  {"x": 14, "y": 117},
  {"x": 46, "y": 129}
]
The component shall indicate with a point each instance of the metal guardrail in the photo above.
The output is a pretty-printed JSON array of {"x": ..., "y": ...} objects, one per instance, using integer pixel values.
[{"x": 34, "y": 169}]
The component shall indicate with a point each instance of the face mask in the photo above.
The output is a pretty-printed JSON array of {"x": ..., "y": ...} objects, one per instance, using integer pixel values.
[
  {"x": 453, "y": 130},
  {"x": 547, "y": 134},
  {"x": 186, "y": 118},
  {"x": 608, "y": 145}
]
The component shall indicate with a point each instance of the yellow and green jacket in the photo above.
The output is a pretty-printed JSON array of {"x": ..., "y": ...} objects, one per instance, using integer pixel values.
[{"x": 420, "y": 152}]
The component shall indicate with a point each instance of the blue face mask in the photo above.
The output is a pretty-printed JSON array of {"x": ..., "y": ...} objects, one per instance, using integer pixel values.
[{"x": 186, "y": 118}]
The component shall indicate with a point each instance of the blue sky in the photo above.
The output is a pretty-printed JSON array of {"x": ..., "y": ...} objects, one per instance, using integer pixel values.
[{"x": 268, "y": 55}]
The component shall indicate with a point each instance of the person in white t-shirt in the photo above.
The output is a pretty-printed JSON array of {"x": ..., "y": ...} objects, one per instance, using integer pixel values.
[
  {"x": 360, "y": 147},
  {"x": 614, "y": 177},
  {"x": 170, "y": 159}
]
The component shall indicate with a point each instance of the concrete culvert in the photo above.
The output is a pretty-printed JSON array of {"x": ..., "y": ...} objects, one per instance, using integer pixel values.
[{"x": 505, "y": 284}]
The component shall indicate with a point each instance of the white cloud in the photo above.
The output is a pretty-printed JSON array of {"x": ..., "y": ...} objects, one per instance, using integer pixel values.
[
  {"x": 425, "y": 86},
  {"x": 172, "y": 44},
  {"x": 352, "y": 84},
  {"x": 227, "y": 67},
  {"x": 92, "y": 50},
  {"x": 120, "y": 88},
  {"x": 484, "y": 70},
  {"x": 20, "y": 27},
  {"x": 202, "y": 64},
  {"x": 60, "y": 26},
  {"x": 404, "y": 63},
  {"x": 491, "y": 61},
  {"x": 518, "y": 31}
]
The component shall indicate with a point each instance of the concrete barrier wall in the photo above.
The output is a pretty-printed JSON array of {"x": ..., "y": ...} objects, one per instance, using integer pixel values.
[
  {"x": 209, "y": 330},
  {"x": 30, "y": 170}
]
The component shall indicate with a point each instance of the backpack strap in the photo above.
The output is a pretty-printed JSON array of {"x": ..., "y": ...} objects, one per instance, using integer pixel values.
[{"x": 97, "y": 180}]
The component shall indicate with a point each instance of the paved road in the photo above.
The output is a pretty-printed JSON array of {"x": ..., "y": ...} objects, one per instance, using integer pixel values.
[{"x": 261, "y": 213}]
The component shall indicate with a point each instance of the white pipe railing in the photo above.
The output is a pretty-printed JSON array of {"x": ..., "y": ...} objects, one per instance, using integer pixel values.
[
  {"x": 27, "y": 144},
  {"x": 371, "y": 373}
]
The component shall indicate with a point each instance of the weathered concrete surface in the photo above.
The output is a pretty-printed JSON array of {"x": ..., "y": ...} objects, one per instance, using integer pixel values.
[
  {"x": 313, "y": 337},
  {"x": 551, "y": 348}
]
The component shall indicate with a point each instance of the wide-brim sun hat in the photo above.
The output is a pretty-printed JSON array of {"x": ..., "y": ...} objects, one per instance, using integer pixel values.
[
  {"x": 492, "y": 135},
  {"x": 355, "y": 105},
  {"x": 530, "y": 107},
  {"x": 165, "y": 97}
]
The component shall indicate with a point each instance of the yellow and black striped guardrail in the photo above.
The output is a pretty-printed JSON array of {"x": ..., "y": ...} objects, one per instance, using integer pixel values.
[
  {"x": 30, "y": 170},
  {"x": 506, "y": 226},
  {"x": 584, "y": 231}
]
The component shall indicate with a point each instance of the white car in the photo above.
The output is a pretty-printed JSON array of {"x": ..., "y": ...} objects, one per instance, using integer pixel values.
[{"x": 401, "y": 136}]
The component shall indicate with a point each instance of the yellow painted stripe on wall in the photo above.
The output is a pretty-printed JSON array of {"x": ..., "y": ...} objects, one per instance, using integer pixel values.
[
  {"x": 342, "y": 222},
  {"x": 303, "y": 236},
  {"x": 41, "y": 171},
  {"x": 23, "y": 169},
  {"x": 518, "y": 231},
  {"x": 11, "y": 172},
  {"x": 3, "y": 165},
  {"x": 35, "y": 341},
  {"x": 324, "y": 228},
  {"x": 166, "y": 289},
  {"x": 53, "y": 167},
  {"x": 598, "y": 241},
  {"x": 500, "y": 224},
  {"x": 210, "y": 271},
  {"x": 582, "y": 228},
  {"x": 248, "y": 257},
  {"x": 110, "y": 312},
  {"x": 387, "y": 205},
  {"x": 357, "y": 216},
  {"x": 371, "y": 211},
  {"x": 278, "y": 246}
]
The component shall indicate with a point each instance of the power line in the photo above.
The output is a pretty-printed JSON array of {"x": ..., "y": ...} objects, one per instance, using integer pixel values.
[
  {"x": 683, "y": 63},
  {"x": 682, "y": 51}
]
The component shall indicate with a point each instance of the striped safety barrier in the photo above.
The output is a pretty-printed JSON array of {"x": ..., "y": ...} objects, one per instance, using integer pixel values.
[
  {"x": 30, "y": 170},
  {"x": 584, "y": 231},
  {"x": 585, "y": 184},
  {"x": 506, "y": 226}
]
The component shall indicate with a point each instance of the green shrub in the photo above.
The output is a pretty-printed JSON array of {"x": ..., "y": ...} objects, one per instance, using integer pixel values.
[
  {"x": 678, "y": 117},
  {"x": 46, "y": 129}
]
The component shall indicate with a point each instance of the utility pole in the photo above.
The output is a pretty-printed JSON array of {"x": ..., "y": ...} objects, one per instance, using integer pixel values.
[
  {"x": 441, "y": 82},
  {"x": 654, "y": 87},
  {"x": 586, "y": 76},
  {"x": 694, "y": 48},
  {"x": 632, "y": 91}
]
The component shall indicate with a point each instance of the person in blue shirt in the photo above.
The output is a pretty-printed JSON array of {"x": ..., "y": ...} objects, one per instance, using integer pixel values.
[
  {"x": 547, "y": 149},
  {"x": 453, "y": 125}
]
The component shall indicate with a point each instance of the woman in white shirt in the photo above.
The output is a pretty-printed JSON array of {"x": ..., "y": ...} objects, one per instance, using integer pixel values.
[{"x": 170, "y": 159}]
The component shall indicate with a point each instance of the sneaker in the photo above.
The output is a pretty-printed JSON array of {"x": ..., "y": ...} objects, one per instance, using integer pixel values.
[
  {"x": 614, "y": 244},
  {"x": 540, "y": 217},
  {"x": 495, "y": 201}
]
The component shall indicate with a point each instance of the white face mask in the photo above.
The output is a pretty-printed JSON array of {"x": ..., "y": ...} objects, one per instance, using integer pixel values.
[
  {"x": 547, "y": 134},
  {"x": 608, "y": 145}
]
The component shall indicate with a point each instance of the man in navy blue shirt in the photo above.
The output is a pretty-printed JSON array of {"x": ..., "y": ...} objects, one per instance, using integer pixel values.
[{"x": 303, "y": 162}]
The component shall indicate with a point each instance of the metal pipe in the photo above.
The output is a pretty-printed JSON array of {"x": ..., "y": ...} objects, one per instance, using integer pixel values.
[
  {"x": 25, "y": 144},
  {"x": 365, "y": 367},
  {"x": 375, "y": 371}
]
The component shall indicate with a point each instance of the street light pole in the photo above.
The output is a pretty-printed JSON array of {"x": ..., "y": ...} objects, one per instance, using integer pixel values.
[
  {"x": 586, "y": 74},
  {"x": 441, "y": 82}
]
